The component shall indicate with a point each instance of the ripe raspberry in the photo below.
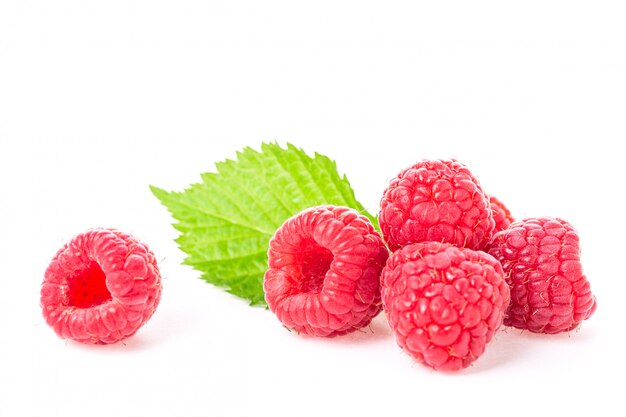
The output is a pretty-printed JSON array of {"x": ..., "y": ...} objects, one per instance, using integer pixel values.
[
  {"x": 541, "y": 260},
  {"x": 443, "y": 303},
  {"x": 324, "y": 268},
  {"x": 100, "y": 287},
  {"x": 501, "y": 214},
  {"x": 438, "y": 201}
]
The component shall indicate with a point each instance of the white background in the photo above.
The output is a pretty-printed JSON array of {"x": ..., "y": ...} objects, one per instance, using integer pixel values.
[{"x": 100, "y": 99}]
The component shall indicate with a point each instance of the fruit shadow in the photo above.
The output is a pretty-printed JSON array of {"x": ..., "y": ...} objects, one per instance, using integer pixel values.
[
  {"x": 378, "y": 330},
  {"x": 511, "y": 345},
  {"x": 167, "y": 326}
]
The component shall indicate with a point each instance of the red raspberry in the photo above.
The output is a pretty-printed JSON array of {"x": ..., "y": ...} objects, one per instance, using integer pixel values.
[
  {"x": 443, "y": 303},
  {"x": 324, "y": 268},
  {"x": 501, "y": 214},
  {"x": 438, "y": 201},
  {"x": 541, "y": 259},
  {"x": 100, "y": 287}
]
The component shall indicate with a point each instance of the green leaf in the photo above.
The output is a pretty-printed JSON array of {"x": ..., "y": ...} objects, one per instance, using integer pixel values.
[{"x": 227, "y": 220}]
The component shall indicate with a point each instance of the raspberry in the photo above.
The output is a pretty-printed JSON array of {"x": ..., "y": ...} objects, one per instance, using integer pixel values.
[
  {"x": 501, "y": 214},
  {"x": 541, "y": 259},
  {"x": 324, "y": 268},
  {"x": 438, "y": 200},
  {"x": 100, "y": 287},
  {"x": 443, "y": 303}
]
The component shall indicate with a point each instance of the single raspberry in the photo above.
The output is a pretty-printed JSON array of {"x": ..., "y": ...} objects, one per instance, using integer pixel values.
[
  {"x": 443, "y": 303},
  {"x": 438, "y": 200},
  {"x": 100, "y": 287},
  {"x": 324, "y": 268},
  {"x": 501, "y": 214},
  {"x": 541, "y": 260}
]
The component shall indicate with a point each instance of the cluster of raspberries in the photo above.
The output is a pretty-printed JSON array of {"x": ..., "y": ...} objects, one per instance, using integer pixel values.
[{"x": 459, "y": 268}]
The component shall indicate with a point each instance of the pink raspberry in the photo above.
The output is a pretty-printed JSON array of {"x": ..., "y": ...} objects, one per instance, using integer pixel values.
[
  {"x": 443, "y": 303},
  {"x": 438, "y": 200},
  {"x": 501, "y": 214},
  {"x": 324, "y": 268},
  {"x": 100, "y": 287},
  {"x": 541, "y": 260}
]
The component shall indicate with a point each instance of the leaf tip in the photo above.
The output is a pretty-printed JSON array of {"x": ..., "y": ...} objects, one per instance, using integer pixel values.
[{"x": 158, "y": 192}]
